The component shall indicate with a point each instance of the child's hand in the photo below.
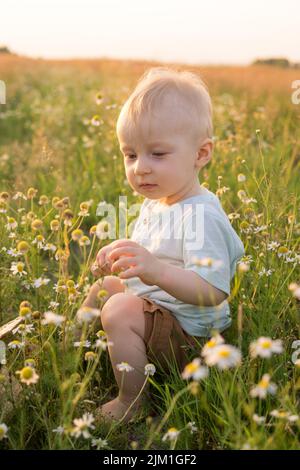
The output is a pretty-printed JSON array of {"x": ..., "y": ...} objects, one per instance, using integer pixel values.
[
  {"x": 102, "y": 265},
  {"x": 133, "y": 260}
]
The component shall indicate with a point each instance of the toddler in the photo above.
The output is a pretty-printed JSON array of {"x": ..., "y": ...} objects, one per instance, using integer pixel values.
[{"x": 174, "y": 277}]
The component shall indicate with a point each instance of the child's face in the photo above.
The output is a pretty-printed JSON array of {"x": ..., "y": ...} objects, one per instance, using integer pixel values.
[{"x": 162, "y": 152}]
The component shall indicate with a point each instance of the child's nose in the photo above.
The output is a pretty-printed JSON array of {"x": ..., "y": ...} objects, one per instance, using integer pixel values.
[{"x": 141, "y": 166}]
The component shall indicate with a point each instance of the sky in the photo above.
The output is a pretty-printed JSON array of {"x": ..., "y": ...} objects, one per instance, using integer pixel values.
[{"x": 183, "y": 31}]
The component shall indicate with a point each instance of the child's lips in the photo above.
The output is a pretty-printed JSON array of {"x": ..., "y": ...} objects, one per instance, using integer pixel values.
[{"x": 148, "y": 186}]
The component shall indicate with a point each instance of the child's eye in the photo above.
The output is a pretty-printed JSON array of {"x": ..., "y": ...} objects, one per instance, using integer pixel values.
[
  {"x": 129, "y": 156},
  {"x": 159, "y": 154}
]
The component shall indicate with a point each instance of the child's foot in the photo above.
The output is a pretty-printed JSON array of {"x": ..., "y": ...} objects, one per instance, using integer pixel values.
[{"x": 115, "y": 409}]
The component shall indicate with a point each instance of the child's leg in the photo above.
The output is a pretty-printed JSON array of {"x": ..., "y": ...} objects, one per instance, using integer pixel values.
[{"x": 124, "y": 323}]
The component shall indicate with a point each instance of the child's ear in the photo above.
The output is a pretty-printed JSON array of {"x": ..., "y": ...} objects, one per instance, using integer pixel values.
[{"x": 204, "y": 153}]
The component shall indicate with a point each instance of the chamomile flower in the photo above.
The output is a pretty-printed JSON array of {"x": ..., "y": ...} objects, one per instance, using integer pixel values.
[
  {"x": 103, "y": 344},
  {"x": 281, "y": 414},
  {"x": 59, "y": 430},
  {"x": 223, "y": 356},
  {"x": 209, "y": 345},
  {"x": 41, "y": 281},
  {"x": 3, "y": 431},
  {"x": 83, "y": 344},
  {"x": 28, "y": 375},
  {"x": 265, "y": 347},
  {"x": 87, "y": 314},
  {"x": 17, "y": 268},
  {"x": 295, "y": 289},
  {"x": 82, "y": 426},
  {"x": 124, "y": 367},
  {"x": 258, "y": 419},
  {"x": 264, "y": 387},
  {"x": 195, "y": 370},
  {"x": 99, "y": 443},
  {"x": 11, "y": 224},
  {"x": 171, "y": 434},
  {"x": 51, "y": 318},
  {"x": 15, "y": 344},
  {"x": 150, "y": 369}
]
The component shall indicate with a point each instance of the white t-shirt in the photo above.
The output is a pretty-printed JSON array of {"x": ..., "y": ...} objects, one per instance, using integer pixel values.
[{"x": 193, "y": 229}]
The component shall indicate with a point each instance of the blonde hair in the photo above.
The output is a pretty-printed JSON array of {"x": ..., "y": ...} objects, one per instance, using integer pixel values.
[{"x": 156, "y": 83}]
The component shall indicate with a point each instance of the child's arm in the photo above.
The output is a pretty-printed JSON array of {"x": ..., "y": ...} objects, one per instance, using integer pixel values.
[{"x": 188, "y": 286}]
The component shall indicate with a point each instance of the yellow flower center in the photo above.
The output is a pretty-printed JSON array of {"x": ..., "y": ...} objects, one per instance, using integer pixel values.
[
  {"x": 27, "y": 373},
  {"x": 191, "y": 368},
  {"x": 211, "y": 343},
  {"x": 20, "y": 267},
  {"x": 224, "y": 353},
  {"x": 264, "y": 383},
  {"x": 266, "y": 344}
]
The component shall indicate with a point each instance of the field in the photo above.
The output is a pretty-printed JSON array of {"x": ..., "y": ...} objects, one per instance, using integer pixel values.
[{"x": 59, "y": 158}]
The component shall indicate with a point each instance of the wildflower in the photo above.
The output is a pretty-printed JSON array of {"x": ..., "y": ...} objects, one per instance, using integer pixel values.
[
  {"x": 102, "y": 230},
  {"x": 23, "y": 329},
  {"x": 82, "y": 426},
  {"x": 223, "y": 356},
  {"x": 258, "y": 419},
  {"x": 4, "y": 196},
  {"x": 51, "y": 318},
  {"x": 84, "y": 241},
  {"x": 53, "y": 305},
  {"x": 295, "y": 289},
  {"x": 124, "y": 366},
  {"x": 93, "y": 230},
  {"x": 99, "y": 443},
  {"x": 281, "y": 414},
  {"x": 37, "y": 224},
  {"x": 41, "y": 281},
  {"x": 67, "y": 216},
  {"x": 59, "y": 430},
  {"x": 60, "y": 286},
  {"x": 84, "y": 208},
  {"x": 209, "y": 345},
  {"x": 49, "y": 247},
  {"x": 272, "y": 246},
  {"x": 43, "y": 200},
  {"x": 265, "y": 272},
  {"x": 99, "y": 98},
  {"x": 31, "y": 193},
  {"x": 15, "y": 344},
  {"x": 84, "y": 344},
  {"x": 17, "y": 268},
  {"x": 54, "y": 225},
  {"x": 19, "y": 195},
  {"x": 103, "y": 344},
  {"x": 241, "y": 178},
  {"x": 234, "y": 215},
  {"x": 11, "y": 223},
  {"x": 95, "y": 121},
  {"x": 282, "y": 251},
  {"x": 77, "y": 234},
  {"x": 243, "y": 267},
  {"x": 150, "y": 369},
  {"x": 265, "y": 347},
  {"x": 39, "y": 241},
  {"x": 28, "y": 375},
  {"x": 12, "y": 252},
  {"x": 171, "y": 435},
  {"x": 25, "y": 312},
  {"x": 90, "y": 356},
  {"x": 191, "y": 426},
  {"x": 3, "y": 431},
  {"x": 263, "y": 387},
  {"x": 195, "y": 370}
]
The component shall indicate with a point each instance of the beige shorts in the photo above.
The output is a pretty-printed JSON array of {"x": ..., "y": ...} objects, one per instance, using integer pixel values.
[{"x": 166, "y": 341}]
